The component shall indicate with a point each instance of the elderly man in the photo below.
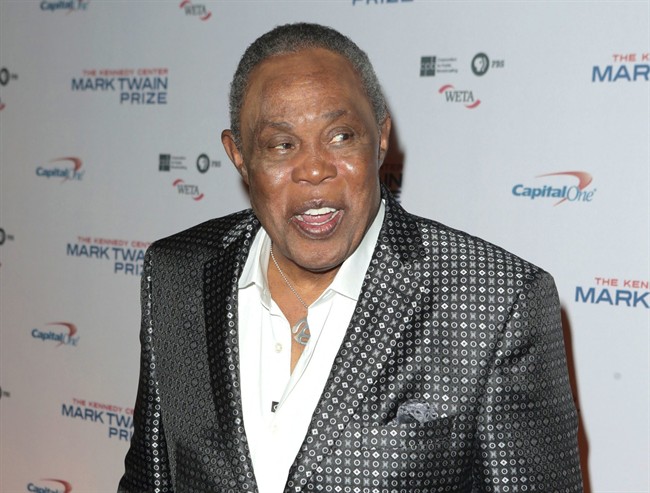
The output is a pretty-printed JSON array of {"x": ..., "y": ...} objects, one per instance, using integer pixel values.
[{"x": 327, "y": 340}]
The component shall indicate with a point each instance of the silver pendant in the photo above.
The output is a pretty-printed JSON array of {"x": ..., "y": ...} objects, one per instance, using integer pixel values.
[{"x": 301, "y": 332}]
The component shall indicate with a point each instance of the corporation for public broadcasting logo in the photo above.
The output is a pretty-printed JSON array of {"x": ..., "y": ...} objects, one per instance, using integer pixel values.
[
  {"x": 169, "y": 162},
  {"x": 431, "y": 65},
  {"x": 63, "y": 333},
  {"x": 61, "y": 486},
  {"x": 68, "y": 169},
  {"x": 557, "y": 188}
]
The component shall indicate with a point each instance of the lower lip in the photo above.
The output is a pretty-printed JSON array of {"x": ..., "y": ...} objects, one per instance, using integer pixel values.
[{"x": 318, "y": 229}]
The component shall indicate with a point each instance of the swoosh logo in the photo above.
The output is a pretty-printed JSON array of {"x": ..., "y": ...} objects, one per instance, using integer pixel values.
[
  {"x": 76, "y": 164},
  {"x": 180, "y": 181},
  {"x": 189, "y": 2},
  {"x": 72, "y": 330},
  {"x": 448, "y": 87},
  {"x": 584, "y": 179},
  {"x": 67, "y": 487}
]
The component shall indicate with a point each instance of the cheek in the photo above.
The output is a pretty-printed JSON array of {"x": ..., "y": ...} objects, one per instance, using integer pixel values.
[
  {"x": 268, "y": 175},
  {"x": 361, "y": 162},
  {"x": 362, "y": 176},
  {"x": 267, "y": 195}
]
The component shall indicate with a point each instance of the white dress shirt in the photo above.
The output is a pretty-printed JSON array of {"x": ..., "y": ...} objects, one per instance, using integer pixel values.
[{"x": 278, "y": 404}]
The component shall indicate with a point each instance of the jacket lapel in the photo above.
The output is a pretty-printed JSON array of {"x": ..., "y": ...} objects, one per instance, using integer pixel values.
[
  {"x": 383, "y": 316},
  {"x": 220, "y": 288}
]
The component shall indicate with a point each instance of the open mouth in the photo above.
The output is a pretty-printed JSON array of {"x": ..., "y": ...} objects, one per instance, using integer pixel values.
[{"x": 318, "y": 223}]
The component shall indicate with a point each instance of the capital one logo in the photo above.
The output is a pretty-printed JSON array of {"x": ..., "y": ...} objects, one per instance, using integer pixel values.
[
  {"x": 68, "y": 169},
  {"x": 565, "y": 192},
  {"x": 61, "y": 486},
  {"x": 65, "y": 335},
  {"x": 69, "y": 5}
]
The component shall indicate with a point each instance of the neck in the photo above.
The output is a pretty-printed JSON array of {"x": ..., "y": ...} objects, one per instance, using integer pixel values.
[{"x": 308, "y": 284}]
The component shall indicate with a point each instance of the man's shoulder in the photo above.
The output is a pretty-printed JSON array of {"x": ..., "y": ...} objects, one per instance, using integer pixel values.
[
  {"x": 209, "y": 235},
  {"x": 462, "y": 248},
  {"x": 452, "y": 247}
]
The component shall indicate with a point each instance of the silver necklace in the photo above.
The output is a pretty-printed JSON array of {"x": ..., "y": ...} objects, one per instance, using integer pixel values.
[{"x": 300, "y": 330}]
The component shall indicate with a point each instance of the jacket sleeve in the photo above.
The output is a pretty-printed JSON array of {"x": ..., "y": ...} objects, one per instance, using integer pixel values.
[
  {"x": 147, "y": 464},
  {"x": 527, "y": 425}
]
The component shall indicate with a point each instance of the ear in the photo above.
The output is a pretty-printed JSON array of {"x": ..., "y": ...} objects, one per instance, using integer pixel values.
[
  {"x": 384, "y": 137},
  {"x": 235, "y": 155}
]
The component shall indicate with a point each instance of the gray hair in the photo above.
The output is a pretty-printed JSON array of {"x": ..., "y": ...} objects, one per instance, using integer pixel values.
[{"x": 292, "y": 38}]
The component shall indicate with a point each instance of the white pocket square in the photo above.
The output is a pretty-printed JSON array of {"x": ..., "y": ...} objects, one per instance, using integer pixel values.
[{"x": 414, "y": 411}]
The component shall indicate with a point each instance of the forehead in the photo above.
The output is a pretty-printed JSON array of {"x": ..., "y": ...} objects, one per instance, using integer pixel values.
[{"x": 296, "y": 77}]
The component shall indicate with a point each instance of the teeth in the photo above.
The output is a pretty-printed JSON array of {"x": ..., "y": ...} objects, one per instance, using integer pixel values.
[{"x": 319, "y": 212}]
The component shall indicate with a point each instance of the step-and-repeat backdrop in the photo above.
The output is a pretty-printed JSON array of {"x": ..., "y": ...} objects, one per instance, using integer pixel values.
[{"x": 526, "y": 123}]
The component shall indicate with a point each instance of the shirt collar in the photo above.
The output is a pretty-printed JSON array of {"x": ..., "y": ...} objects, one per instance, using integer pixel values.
[
  {"x": 255, "y": 268},
  {"x": 348, "y": 280}
]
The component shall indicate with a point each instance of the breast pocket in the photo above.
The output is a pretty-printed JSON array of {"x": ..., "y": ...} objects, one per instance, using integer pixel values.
[{"x": 411, "y": 436}]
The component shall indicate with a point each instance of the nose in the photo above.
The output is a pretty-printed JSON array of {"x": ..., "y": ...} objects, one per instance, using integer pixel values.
[{"x": 314, "y": 168}]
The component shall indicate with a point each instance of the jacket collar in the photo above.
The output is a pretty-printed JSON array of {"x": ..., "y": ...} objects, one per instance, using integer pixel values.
[
  {"x": 394, "y": 280},
  {"x": 393, "y": 276},
  {"x": 220, "y": 306}
]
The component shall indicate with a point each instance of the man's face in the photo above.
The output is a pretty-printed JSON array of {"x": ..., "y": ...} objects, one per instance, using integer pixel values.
[{"x": 310, "y": 154}]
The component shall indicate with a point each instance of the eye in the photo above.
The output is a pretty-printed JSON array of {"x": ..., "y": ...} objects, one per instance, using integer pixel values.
[
  {"x": 282, "y": 146},
  {"x": 341, "y": 137}
]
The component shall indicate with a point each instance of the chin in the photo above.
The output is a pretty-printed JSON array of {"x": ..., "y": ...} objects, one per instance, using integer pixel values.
[{"x": 320, "y": 262}]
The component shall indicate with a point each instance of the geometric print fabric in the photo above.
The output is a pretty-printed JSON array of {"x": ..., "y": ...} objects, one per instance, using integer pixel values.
[{"x": 456, "y": 334}]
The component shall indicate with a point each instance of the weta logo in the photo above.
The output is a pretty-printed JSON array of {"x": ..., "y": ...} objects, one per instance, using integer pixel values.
[
  {"x": 464, "y": 97},
  {"x": 196, "y": 10},
  {"x": 186, "y": 189}
]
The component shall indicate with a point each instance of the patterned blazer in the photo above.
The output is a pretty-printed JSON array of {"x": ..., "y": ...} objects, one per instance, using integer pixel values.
[{"x": 451, "y": 376}]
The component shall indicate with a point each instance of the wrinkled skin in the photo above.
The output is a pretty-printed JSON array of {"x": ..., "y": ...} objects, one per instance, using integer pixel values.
[{"x": 310, "y": 155}]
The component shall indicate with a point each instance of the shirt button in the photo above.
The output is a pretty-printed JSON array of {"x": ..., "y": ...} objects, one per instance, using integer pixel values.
[{"x": 278, "y": 348}]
